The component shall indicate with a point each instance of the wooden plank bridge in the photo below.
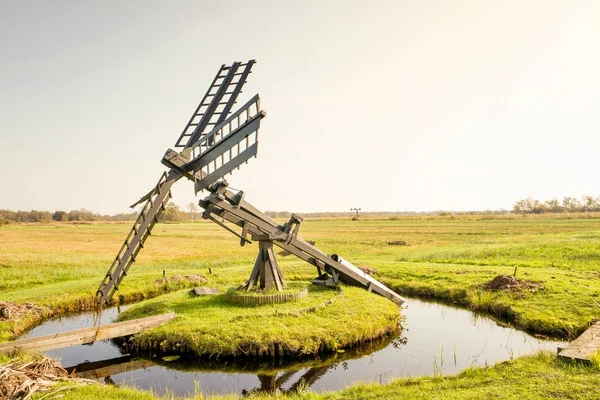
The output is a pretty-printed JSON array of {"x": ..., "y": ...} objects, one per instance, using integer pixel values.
[
  {"x": 85, "y": 335},
  {"x": 585, "y": 346}
]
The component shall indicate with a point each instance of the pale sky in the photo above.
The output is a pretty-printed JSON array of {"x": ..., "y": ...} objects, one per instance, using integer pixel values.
[{"x": 383, "y": 105}]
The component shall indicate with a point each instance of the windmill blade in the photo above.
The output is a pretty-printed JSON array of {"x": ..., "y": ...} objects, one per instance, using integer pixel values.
[
  {"x": 217, "y": 102},
  {"x": 134, "y": 242},
  {"x": 229, "y": 145}
]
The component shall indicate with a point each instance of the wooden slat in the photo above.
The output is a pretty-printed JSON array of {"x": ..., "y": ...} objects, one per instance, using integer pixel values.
[
  {"x": 227, "y": 168},
  {"x": 232, "y": 117},
  {"x": 584, "y": 346},
  {"x": 86, "y": 335}
]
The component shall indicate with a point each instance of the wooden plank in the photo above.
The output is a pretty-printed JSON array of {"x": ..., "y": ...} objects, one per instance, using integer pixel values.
[
  {"x": 86, "y": 335},
  {"x": 584, "y": 346},
  {"x": 229, "y": 166},
  {"x": 224, "y": 144},
  {"x": 202, "y": 291}
]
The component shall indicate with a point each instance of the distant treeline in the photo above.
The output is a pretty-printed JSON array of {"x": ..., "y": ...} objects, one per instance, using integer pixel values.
[
  {"x": 175, "y": 213},
  {"x": 8, "y": 216},
  {"x": 287, "y": 214},
  {"x": 172, "y": 213},
  {"x": 383, "y": 214},
  {"x": 568, "y": 204}
]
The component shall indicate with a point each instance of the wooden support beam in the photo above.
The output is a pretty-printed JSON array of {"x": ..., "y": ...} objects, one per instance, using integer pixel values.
[
  {"x": 86, "y": 335},
  {"x": 349, "y": 274},
  {"x": 266, "y": 272}
]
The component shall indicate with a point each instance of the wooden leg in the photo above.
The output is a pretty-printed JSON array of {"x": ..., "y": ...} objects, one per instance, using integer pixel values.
[
  {"x": 275, "y": 270},
  {"x": 255, "y": 273},
  {"x": 266, "y": 272}
]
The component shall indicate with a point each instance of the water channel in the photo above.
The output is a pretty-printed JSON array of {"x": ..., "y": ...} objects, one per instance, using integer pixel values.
[{"x": 436, "y": 339}]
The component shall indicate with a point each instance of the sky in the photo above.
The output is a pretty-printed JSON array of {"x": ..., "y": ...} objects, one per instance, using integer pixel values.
[{"x": 383, "y": 105}]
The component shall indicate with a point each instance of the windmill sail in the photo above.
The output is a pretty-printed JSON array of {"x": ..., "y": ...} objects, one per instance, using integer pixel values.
[
  {"x": 217, "y": 102},
  {"x": 205, "y": 128},
  {"x": 134, "y": 242}
]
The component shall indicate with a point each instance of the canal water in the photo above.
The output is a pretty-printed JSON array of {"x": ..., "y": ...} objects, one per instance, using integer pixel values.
[{"x": 436, "y": 339}]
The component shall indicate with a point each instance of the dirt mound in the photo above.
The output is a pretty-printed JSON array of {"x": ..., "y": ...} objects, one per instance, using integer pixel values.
[
  {"x": 368, "y": 270},
  {"x": 21, "y": 380},
  {"x": 178, "y": 278},
  {"x": 284, "y": 253},
  {"x": 511, "y": 283},
  {"x": 12, "y": 311}
]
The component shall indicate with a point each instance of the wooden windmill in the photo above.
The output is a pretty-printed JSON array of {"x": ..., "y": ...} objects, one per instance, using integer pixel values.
[{"x": 214, "y": 142}]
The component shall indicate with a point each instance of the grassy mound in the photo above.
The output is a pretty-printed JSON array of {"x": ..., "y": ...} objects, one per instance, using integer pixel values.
[{"x": 211, "y": 326}]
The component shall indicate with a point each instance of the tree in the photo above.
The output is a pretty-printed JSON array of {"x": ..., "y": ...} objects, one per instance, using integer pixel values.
[
  {"x": 528, "y": 206},
  {"x": 81, "y": 215},
  {"x": 590, "y": 204},
  {"x": 172, "y": 213},
  {"x": 571, "y": 204},
  {"x": 192, "y": 209},
  {"x": 520, "y": 207},
  {"x": 60, "y": 216},
  {"x": 553, "y": 206}
]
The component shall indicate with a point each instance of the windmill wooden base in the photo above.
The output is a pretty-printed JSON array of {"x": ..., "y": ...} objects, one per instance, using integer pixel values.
[{"x": 266, "y": 273}]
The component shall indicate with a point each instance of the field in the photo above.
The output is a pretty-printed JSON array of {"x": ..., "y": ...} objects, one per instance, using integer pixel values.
[{"x": 447, "y": 259}]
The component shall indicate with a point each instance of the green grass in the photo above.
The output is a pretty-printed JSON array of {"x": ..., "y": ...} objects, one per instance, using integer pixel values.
[
  {"x": 62, "y": 265},
  {"x": 447, "y": 259},
  {"x": 595, "y": 360},
  {"x": 211, "y": 326}
]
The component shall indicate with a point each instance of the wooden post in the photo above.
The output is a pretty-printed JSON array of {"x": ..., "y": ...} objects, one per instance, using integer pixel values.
[{"x": 266, "y": 271}]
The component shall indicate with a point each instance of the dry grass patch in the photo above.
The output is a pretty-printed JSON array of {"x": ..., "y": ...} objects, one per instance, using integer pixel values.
[{"x": 23, "y": 379}]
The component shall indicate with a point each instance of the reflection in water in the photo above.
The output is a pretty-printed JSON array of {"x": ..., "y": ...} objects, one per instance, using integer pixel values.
[
  {"x": 436, "y": 339},
  {"x": 270, "y": 383}
]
